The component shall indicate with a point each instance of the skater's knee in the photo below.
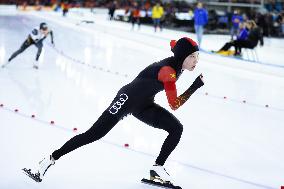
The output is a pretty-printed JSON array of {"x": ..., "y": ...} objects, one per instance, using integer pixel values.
[
  {"x": 175, "y": 129},
  {"x": 179, "y": 129}
]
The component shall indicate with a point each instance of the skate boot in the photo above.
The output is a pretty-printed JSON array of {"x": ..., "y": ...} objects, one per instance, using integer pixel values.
[
  {"x": 45, "y": 164},
  {"x": 42, "y": 168},
  {"x": 159, "y": 177},
  {"x": 4, "y": 65},
  {"x": 35, "y": 66},
  {"x": 159, "y": 173}
]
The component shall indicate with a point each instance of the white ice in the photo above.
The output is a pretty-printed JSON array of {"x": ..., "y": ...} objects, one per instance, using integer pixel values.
[{"x": 226, "y": 144}]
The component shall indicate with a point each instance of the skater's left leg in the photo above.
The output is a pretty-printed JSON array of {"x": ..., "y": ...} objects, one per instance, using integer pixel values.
[
  {"x": 119, "y": 108},
  {"x": 23, "y": 47},
  {"x": 99, "y": 129},
  {"x": 159, "y": 117}
]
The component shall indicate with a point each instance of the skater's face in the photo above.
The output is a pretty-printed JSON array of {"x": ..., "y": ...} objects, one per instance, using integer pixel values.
[
  {"x": 190, "y": 62},
  {"x": 44, "y": 32}
]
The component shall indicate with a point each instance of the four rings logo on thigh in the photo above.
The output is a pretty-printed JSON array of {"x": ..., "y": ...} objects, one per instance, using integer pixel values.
[{"x": 117, "y": 105}]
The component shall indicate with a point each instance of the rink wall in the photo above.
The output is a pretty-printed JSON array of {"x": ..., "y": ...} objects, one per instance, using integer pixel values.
[{"x": 79, "y": 11}]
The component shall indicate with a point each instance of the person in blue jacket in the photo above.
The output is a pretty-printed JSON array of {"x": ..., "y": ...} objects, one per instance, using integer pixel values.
[
  {"x": 200, "y": 20},
  {"x": 236, "y": 20},
  {"x": 242, "y": 32}
]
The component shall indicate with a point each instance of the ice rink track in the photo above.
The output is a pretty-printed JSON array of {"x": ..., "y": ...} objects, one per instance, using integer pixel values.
[{"x": 233, "y": 126}]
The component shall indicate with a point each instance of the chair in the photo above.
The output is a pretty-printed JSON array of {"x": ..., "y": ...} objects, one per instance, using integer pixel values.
[{"x": 251, "y": 54}]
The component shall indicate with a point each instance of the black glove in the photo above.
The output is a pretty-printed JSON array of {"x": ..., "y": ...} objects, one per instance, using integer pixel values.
[{"x": 197, "y": 82}]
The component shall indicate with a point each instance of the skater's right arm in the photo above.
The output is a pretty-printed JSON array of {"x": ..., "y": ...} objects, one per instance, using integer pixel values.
[
  {"x": 51, "y": 36},
  {"x": 167, "y": 76}
]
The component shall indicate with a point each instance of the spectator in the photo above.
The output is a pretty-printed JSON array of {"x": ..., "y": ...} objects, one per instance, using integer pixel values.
[
  {"x": 65, "y": 8},
  {"x": 157, "y": 14},
  {"x": 269, "y": 21},
  {"x": 236, "y": 20},
  {"x": 135, "y": 15},
  {"x": 280, "y": 23},
  {"x": 200, "y": 20},
  {"x": 243, "y": 31},
  {"x": 111, "y": 10}
]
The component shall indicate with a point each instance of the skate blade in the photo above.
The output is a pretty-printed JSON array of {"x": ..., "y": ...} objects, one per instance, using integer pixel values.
[
  {"x": 159, "y": 184},
  {"x": 31, "y": 175}
]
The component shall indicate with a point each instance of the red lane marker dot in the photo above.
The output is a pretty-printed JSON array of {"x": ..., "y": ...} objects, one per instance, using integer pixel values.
[
  {"x": 266, "y": 106},
  {"x": 52, "y": 122},
  {"x": 126, "y": 145},
  {"x": 244, "y": 101},
  {"x": 33, "y": 116},
  {"x": 16, "y": 110},
  {"x": 75, "y": 129}
]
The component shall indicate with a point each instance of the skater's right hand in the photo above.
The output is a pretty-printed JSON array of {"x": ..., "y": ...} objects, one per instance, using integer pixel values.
[{"x": 198, "y": 82}]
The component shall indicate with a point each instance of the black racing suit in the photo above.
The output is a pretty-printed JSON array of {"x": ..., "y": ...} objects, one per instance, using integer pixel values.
[{"x": 136, "y": 98}]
